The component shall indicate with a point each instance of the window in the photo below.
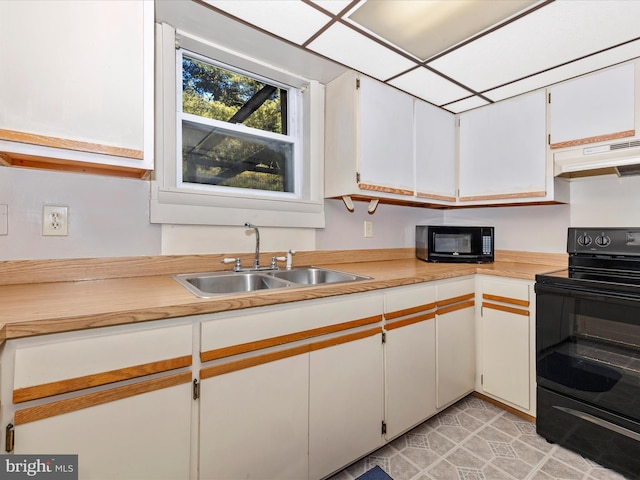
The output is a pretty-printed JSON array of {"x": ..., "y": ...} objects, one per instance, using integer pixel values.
[
  {"x": 236, "y": 139},
  {"x": 235, "y": 128}
]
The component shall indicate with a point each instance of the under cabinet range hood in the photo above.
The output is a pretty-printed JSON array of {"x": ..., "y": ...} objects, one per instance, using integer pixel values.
[{"x": 621, "y": 158}]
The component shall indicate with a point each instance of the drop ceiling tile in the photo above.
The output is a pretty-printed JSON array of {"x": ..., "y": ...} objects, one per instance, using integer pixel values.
[
  {"x": 429, "y": 86},
  {"x": 466, "y": 104},
  {"x": 333, "y": 6},
  {"x": 348, "y": 47},
  {"x": 571, "y": 70},
  {"x": 550, "y": 36},
  {"x": 292, "y": 20}
]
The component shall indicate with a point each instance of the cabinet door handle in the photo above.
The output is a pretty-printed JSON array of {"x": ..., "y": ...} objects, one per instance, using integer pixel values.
[{"x": 196, "y": 389}]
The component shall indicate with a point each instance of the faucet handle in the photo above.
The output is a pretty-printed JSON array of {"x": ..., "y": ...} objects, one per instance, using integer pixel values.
[
  {"x": 277, "y": 259},
  {"x": 289, "y": 258},
  {"x": 237, "y": 265}
]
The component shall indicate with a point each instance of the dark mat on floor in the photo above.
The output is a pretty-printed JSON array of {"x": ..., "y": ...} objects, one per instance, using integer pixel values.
[{"x": 376, "y": 473}]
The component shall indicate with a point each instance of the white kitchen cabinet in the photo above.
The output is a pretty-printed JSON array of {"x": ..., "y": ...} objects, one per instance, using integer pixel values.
[
  {"x": 368, "y": 139},
  {"x": 72, "y": 395},
  {"x": 455, "y": 340},
  {"x": 144, "y": 436},
  {"x": 410, "y": 363},
  {"x": 507, "y": 342},
  {"x": 435, "y": 155},
  {"x": 254, "y": 421},
  {"x": 593, "y": 108},
  {"x": 346, "y": 403},
  {"x": 291, "y": 391},
  {"x": 502, "y": 151},
  {"x": 78, "y": 94}
]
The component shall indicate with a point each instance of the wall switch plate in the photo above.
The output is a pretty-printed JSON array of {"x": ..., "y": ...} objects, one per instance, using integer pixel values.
[
  {"x": 55, "y": 220},
  {"x": 368, "y": 229},
  {"x": 4, "y": 219}
]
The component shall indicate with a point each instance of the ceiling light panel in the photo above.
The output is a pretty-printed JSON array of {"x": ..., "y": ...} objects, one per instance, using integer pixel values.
[
  {"x": 571, "y": 70},
  {"x": 550, "y": 36},
  {"x": 350, "y": 48},
  {"x": 427, "y": 27},
  {"x": 429, "y": 86},
  {"x": 292, "y": 20}
]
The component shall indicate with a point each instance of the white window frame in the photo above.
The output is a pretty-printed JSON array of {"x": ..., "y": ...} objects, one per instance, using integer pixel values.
[
  {"x": 294, "y": 136},
  {"x": 176, "y": 202}
]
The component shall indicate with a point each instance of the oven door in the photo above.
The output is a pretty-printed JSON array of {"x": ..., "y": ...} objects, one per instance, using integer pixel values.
[{"x": 588, "y": 345}]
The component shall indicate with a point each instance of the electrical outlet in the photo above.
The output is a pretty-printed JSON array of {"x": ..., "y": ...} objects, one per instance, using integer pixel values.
[
  {"x": 55, "y": 220},
  {"x": 368, "y": 229}
]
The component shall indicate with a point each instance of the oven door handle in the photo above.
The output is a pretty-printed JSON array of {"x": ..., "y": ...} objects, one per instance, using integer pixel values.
[
  {"x": 601, "y": 422},
  {"x": 578, "y": 291}
]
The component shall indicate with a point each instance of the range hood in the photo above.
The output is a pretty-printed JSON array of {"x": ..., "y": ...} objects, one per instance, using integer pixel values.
[{"x": 621, "y": 158}]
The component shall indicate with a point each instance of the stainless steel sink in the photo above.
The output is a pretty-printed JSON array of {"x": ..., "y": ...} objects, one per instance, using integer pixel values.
[
  {"x": 207, "y": 285},
  {"x": 212, "y": 284},
  {"x": 316, "y": 276}
]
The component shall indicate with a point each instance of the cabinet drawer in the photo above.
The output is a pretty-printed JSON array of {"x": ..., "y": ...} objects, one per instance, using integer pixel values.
[
  {"x": 408, "y": 300},
  {"x": 506, "y": 290},
  {"x": 64, "y": 366},
  {"x": 260, "y": 328},
  {"x": 455, "y": 289}
]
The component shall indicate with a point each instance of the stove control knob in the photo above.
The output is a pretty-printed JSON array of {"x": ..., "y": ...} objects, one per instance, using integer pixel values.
[
  {"x": 603, "y": 241},
  {"x": 584, "y": 240}
]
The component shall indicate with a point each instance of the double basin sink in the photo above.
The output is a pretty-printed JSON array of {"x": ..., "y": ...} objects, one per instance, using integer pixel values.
[{"x": 212, "y": 284}]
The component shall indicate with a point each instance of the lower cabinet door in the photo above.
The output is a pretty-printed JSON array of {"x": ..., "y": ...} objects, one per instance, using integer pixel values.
[
  {"x": 505, "y": 364},
  {"x": 456, "y": 357},
  {"x": 145, "y": 436},
  {"x": 410, "y": 375},
  {"x": 254, "y": 422},
  {"x": 345, "y": 403}
]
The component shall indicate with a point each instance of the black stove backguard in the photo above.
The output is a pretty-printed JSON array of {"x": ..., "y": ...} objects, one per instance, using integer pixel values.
[{"x": 588, "y": 349}]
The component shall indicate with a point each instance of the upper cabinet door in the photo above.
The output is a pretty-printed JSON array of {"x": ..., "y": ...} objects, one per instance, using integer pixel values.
[
  {"x": 386, "y": 137},
  {"x": 593, "y": 108},
  {"x": 503, "y": 150},
  {"x": 77, "y": 81},
  {"x": 435, "y": 145}
]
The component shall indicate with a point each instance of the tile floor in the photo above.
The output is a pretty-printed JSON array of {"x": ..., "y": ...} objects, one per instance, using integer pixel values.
[{"x": 475, "y": 440}]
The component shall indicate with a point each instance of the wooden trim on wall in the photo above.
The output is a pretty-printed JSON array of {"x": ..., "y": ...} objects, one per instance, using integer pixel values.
[
  {"x": 104, "y": 378},
  {"x": 498, "y": 298},
  {"x": 223, "y": 352},
  {"x": 410, "y": 311},
  {"x": 597, "y": 138},
  {"x": 93, "y": 399},
  {"x": 14, "y": 272},
  {"x": 504, "y": 308},
  {"x": 68, "y": 144},
  {"x": 378, "y": 188},
  {"x": 235, "y": 365}
]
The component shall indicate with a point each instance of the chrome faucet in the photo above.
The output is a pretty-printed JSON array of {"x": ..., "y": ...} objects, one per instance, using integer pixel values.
[{"x": 256, "y": 262}]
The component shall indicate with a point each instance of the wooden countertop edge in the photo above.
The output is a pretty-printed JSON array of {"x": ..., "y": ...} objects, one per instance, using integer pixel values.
[{"x": 32, "y": 327}]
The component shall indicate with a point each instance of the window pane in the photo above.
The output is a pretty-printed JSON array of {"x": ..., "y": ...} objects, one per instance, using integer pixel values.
[
  {"x": 213, "y": 92},
  {"x": 216, "y": 156}
]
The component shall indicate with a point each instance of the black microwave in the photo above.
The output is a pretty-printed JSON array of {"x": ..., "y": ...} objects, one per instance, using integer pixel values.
[{"x": 441, "y": 243}]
